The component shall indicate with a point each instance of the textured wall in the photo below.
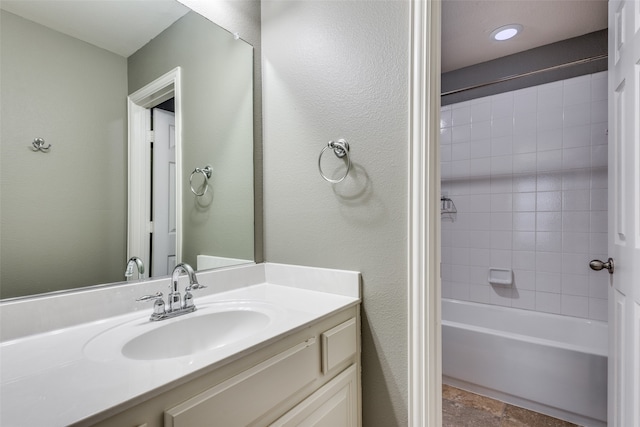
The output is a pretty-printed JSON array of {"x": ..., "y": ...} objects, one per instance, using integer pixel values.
[
  {"x": 527, "y": 171},
  {"x": 63, "y": 212},
  {"x": 339, "y": 69}
]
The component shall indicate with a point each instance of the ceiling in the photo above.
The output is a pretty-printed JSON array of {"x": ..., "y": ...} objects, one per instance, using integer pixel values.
[
  {"x": 122, "y": 29},
  {"x": 467, "y": 24}
]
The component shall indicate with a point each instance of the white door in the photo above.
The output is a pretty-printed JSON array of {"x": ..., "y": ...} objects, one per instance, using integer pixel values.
[
  {"x": 163, "y": 252},
  {"x": 624, "y": 213}
]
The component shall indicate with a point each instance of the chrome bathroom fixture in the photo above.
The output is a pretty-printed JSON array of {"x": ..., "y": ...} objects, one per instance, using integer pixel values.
[
  {"x": 598, "y": 265},
  {"x": 134, "y": 262},
  {"x": 176, "y": 306},
  {"x": 340, "y": 149},
  {"x": 38, "y": 145},
  {"x": 206, "y": 173}
]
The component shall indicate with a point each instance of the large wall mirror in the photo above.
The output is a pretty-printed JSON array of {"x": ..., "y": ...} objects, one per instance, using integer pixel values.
[{"x": 68, "y": 69}]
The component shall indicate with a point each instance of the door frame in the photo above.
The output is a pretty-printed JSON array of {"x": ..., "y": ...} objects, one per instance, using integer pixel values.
[
  {"x": 424, "y": 334},
  {"x": 139, "y": 224}
]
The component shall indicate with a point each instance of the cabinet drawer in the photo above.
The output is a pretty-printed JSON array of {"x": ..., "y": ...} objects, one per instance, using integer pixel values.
[
  {"x": 338, "y": 344},
  {"x": 242, "y": 399}
]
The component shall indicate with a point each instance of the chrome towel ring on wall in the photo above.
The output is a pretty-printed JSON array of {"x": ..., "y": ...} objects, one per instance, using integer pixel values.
[
  {"x": 206, "y": 173},
  {"x": 340, "y": 149}
]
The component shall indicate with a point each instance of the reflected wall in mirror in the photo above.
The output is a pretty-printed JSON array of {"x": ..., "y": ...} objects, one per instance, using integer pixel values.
[{"x": 64, "y": 211}]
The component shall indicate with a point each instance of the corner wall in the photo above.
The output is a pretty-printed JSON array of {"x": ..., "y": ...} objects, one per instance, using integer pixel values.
[
  {"x": 339, "y": 69},
  {"x": 527, "y": 171}
]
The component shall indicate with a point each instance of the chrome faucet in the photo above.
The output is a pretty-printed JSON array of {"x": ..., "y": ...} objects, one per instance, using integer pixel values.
[
  {"x": 134, "y": 262},
  {"x": 176, "y": 306}
]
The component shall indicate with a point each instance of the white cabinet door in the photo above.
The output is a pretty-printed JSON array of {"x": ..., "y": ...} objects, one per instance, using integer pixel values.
[{"x": 333, "y": 405}]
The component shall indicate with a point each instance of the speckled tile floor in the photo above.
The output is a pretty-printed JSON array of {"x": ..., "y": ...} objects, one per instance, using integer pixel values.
[{"x": 464, "y": 409}]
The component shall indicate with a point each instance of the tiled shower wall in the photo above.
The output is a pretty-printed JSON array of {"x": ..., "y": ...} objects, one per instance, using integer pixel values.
[{"x": 527, "y": 172}]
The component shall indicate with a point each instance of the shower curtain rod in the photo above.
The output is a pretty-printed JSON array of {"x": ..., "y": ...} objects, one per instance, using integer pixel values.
[{"x": 529, "y": 73}]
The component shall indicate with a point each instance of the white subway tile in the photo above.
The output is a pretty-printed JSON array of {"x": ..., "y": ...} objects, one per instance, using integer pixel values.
[
  {"x": 501, "y": 165},
  {"x": 501, "y": 184},
  {"x": 548, "y": 282},
  {"x": 575, "y": 242},
  {"x": 551, "y": 118},
  {"x": 575, "y": 263},
  {"x": 574, "y": 158},
  {"x": 502, "y": 126},
  {"x": 446, "y": 289},
  {"x": 524, "y": 240},
  {"x": 524, "y": 202},
  {"x": 480, "y": 148},
  {"x": 576, "y": 179},
  {"x": 524, "y": 299},
  {"x": 479, "y": 221},
  {"x": 460, "y": 168},
  {"x": 524, "y": 260},
  {"x": 479, "y": 167},
  {"x": 548, "y": 303},
  {"x": 599, "y": 155},
  {"x": 460, "y": 133},
  {"x": 549, "y": 160},
  {"x": 481, "y": 294},
  {"x": 501, "y": 145},
  {"x": 481, "y": 112},
  {"x": 459, "y": 239},
  {"x": 599, "y": 178},
  {"x": 524, "y": 221},
  {"x": 550, "y": 139},
  {"x": 525, "y": 142},
  {"x": 478, "y": 275},
  {"x": 460, "y": 274},
  {"x": 500, "y": 258},
  {"x": 598, "y": 243},
  {"x": 480, "y": 130},
  {"x": 501, "y": 221},
  {"x": 549, "y": 221},
  {"x": 598, "y": 309},
  {"x": 548, "y": 262},
  {"x": 577, "y": 91},
  {"x": 575, "y": 221},
  {"x": 480, "y": 203},
  {"x": 461, "y": 115},
  {"x": 577, "y": 306},
  {"x": 548, "y": 201},
  {"x": 549, "y": 181},
  {"x": 550, "y": 96},
  {"x": 599, "y": 134},
  {"x": 575, "y": 284},
  {"x": 501, "y": 202},
  {"x": 599, "y": 86},
  {"x": 524, "y": 183},
  {"x": 479, "y": 257},
  {"x": 460, "y": 291},
  {"x": 501, "y": 295},
  {"x": 598, "y": 284},
  {"x": 576, "y": 200},
  {"x": 460, "y": 151},
  {"x": 524, "y": 279},
  {"x": 501, "y": 240},
  {"x": 480, "y": 239},
  {"x": 445, "y": 153},
  {"x": 525, "y": 163},
  {"x": 576, "y": 136},
  {"x": 548, "y": 241},
  {"x": 525, "y": 122},
  {"x": 599, "y": 221},
  {"x": 502, "y": 105},
  {"x": 579, "y": 114},
  {"x": 525, "y": 100},
  {"x": 445, "y": 117},
  {"x": 599, "y": 111}
]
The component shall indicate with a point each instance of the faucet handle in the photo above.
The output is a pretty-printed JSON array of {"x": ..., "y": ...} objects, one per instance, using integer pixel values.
[
  {"x": 158, "y": 305},
  {"x": 157, "y": 296},
  {"x": 195, "y": 286}
]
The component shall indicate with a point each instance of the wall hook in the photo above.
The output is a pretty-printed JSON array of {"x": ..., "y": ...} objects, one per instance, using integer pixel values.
[{"x": 38, "y": 145}]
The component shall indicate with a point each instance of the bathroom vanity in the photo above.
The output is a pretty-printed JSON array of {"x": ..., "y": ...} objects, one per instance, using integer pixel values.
[{"x": 268, "y": 344}]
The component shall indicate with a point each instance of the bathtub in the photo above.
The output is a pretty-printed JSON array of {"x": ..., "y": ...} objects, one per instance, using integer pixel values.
[{"x": 556, "y": 365}]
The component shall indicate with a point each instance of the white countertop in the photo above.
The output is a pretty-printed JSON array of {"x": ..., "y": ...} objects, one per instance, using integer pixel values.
[{"x": 53, "y": 379}]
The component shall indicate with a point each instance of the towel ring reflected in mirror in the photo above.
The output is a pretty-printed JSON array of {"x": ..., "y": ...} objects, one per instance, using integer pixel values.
[{"x": 206, "y": 173}]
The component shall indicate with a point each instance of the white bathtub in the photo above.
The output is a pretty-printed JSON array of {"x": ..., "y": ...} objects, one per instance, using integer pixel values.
[{"x": 548, "y": 363}]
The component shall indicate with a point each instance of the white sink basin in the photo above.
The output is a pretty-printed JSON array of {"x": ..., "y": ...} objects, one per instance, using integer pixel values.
[{"x": 208, "y": 328}]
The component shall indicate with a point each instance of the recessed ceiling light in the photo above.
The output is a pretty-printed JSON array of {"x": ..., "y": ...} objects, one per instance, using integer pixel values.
[{"x": 506, "y": 32}]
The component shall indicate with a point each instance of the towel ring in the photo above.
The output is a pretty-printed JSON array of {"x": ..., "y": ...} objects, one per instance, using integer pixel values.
[
  {"x": 206, "y": 173},
  {"x": 340, "y": 149}
]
